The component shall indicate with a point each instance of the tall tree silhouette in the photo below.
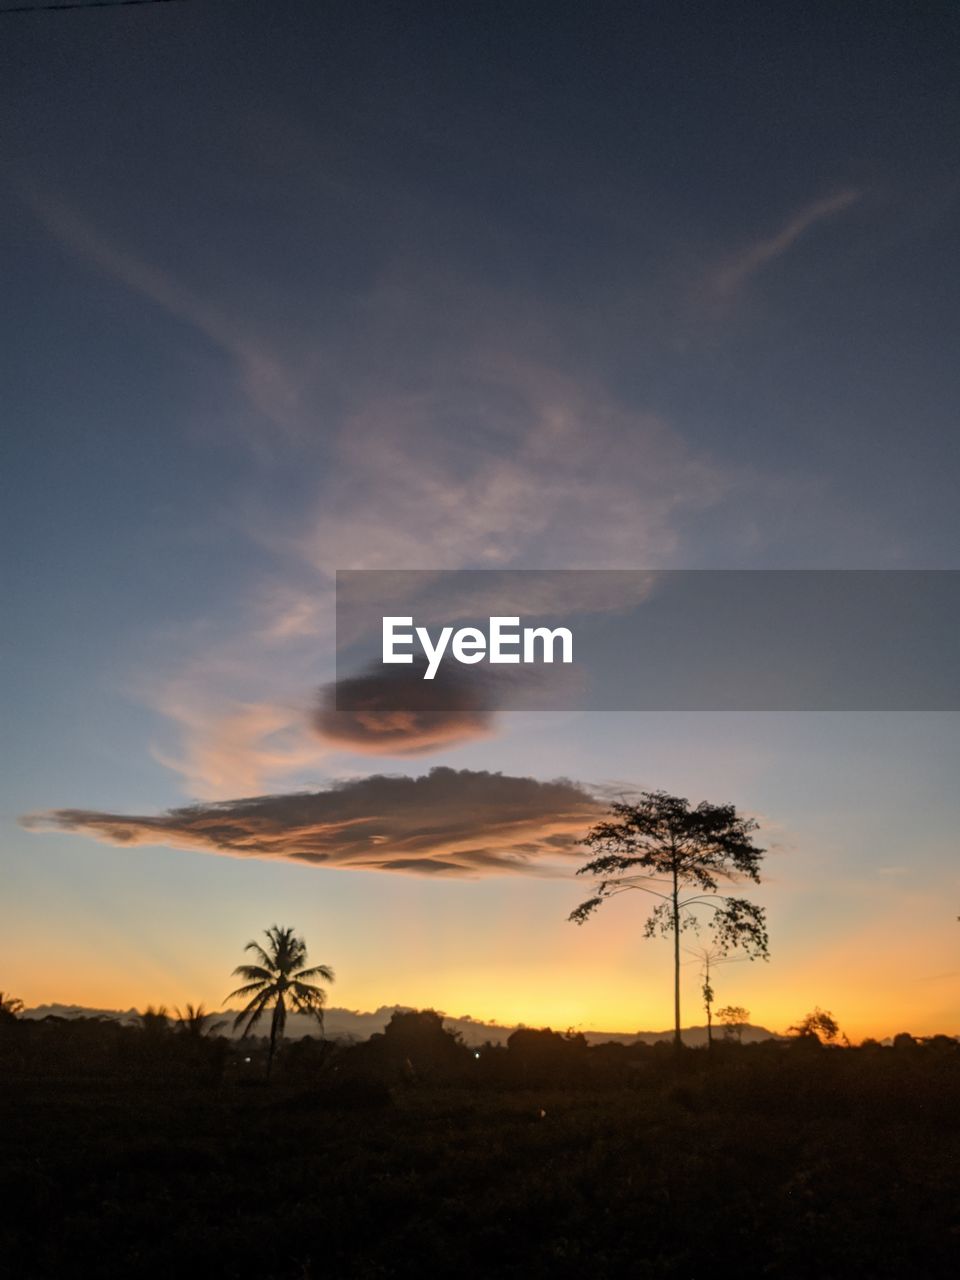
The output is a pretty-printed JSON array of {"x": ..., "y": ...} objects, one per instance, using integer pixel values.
[
  {"x": 280, "y": 976},
  {"x": 662, "y": 847}
]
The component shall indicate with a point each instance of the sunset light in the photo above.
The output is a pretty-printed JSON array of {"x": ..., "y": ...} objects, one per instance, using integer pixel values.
[{"x": 481, "y": 702}]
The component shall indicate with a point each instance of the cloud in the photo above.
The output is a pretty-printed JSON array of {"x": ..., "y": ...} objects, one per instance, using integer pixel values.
[
  {"x": 266, "y": 380},
  {"x": 227, "y": 746},
  {"x": 762, "y": 252},
  {"x": 449, "y": 429},
  {"x": 447, "y": 822},
  {"x": 544, "y": 472},
  {"x": 498, "y": 463},
  {"x": 434, "y": 714}
]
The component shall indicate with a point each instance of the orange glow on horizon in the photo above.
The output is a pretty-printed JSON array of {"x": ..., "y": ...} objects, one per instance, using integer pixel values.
[{"x": 534, "y": 999}]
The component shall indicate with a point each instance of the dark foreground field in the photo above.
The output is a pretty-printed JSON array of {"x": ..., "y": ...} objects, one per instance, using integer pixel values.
[{"x": 770, "y": 1161}]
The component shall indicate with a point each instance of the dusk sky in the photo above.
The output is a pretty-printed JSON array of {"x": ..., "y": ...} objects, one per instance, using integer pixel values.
[{"x": 293, "y": 288}]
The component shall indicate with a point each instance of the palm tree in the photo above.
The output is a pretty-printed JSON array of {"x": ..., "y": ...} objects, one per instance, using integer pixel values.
[
  {"x": 192, "y": 1020},
  {"x": 155, "y": 1021},
  {"x": 279, "y": 976}
]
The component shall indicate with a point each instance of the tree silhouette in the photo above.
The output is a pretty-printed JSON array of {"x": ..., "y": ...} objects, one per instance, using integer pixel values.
[
  {"x": 734, "y": 1017},
  {"x": 821, "y": 1023},
  {"x": 155, "y": 1021},
  {"x": 664, "y": 848},
  {"x": 192, "y": 1021},
  {"x": 709, "y": 958},
  {"x": 11, "y": 1007},
  {"x": 281, "y": 975},
  {"x": 708, "y": 995},
  {"x": 418, "y": 1041}
]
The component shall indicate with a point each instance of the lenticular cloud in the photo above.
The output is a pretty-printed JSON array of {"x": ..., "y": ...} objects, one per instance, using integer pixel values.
[{"x": 447, "y": 822}]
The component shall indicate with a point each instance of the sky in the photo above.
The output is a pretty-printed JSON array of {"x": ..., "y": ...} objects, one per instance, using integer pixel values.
[{"x": 295, "y": 288}]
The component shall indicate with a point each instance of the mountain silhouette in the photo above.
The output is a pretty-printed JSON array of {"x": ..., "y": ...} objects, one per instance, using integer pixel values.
[{"x": 351, "y": 1024}]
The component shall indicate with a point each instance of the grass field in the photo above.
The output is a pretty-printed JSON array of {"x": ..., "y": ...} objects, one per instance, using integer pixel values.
[{"x": 772, "y": 1162}]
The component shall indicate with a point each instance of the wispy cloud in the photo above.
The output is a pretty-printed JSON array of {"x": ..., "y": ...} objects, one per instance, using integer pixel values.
[
  {"x": 265, "y": 378},
  {"x": 228, "y": 746},
  {"x": 493, "y": 464},
  {"x": 760, "y": 253},
  {"x": 448, "y": 822},
  {"x": 414, "y": 444},
  {"x": 503, "y": 464}
]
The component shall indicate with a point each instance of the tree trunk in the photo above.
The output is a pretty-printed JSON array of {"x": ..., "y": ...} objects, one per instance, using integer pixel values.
[
  {"x": 274, "y": 1026},
  {"x": 708, "y": 999},
  {"x": 677, "y": 1039}
]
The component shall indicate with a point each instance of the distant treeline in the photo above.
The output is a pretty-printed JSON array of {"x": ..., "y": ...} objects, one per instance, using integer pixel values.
[{"x": 414, "y": 1048}]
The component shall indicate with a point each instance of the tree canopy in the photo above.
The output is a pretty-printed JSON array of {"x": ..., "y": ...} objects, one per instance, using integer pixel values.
[{"x": 680, "y": 856}]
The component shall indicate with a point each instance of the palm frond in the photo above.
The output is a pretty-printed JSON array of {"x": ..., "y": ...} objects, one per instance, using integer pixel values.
[
  {"x": 245, "y": 991},
  {"x": 319, "y": 970},
  {"x": 252, "y": 1012},
  {"x": 307, "y": 992},
  {"x": 310, "y": 1002},
  {"x": 265, "y": 959},
  {"x": 254, "y": 973}
]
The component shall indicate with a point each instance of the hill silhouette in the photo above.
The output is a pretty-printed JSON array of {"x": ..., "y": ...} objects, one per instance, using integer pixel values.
[{"x": 351, "y": 1024}]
